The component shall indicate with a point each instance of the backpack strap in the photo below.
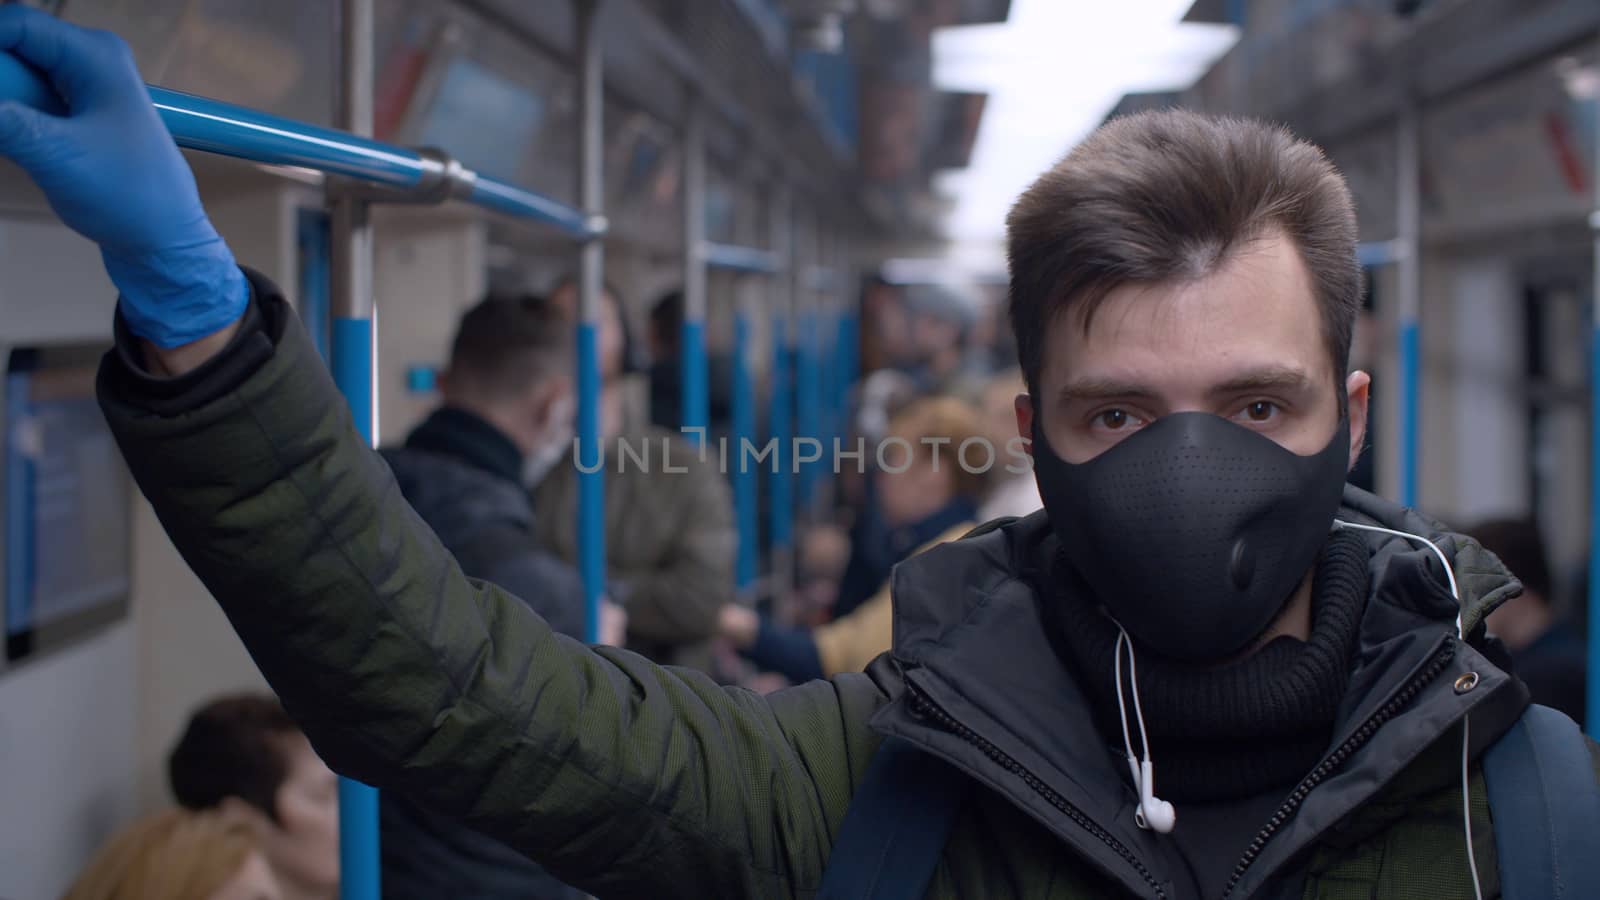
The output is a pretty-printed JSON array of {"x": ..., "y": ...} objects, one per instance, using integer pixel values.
[
  {"x": 1545, "y": 802},
  {"x": 895, "y": 828}
]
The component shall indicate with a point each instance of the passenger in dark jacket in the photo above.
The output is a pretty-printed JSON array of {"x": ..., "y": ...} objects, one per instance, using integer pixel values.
[
  {"x": 1309, "y": 657},
  {"x": 507, "y": 410}
]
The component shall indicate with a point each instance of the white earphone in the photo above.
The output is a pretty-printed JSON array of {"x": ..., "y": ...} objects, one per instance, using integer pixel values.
[
  {"x": 1158, "y": 815},
  {"x": 1152, "y": 813}
]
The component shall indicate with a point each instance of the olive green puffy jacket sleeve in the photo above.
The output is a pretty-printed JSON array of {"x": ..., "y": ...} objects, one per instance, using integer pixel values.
[{"x": 624, "y": 778}]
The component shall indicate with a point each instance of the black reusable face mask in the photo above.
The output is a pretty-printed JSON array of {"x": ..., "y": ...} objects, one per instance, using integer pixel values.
[{"x": 1195, "y": 531}]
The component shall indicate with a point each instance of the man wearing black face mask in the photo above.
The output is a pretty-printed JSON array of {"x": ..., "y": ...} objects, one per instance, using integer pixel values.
[{"x": 1306, "y": 670}]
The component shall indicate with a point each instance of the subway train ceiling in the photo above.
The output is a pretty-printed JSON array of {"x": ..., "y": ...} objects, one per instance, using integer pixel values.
[
  {"x": 835, "y": 96},
  {"x": 1507, "y": 92}
]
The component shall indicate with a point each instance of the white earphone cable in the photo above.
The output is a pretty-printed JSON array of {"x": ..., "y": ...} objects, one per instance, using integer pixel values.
[
  {"x": 1122, "y": 709},
  {"x": 1466, "y": 795},
  {"x": 1151, "y": 812},
  {"x": 1138, "y": 709}
]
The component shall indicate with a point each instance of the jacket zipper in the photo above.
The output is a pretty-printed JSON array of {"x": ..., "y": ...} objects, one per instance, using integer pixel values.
[
  {"x": 923, "y": 707},
  {"x": 1338, "y": 758}
]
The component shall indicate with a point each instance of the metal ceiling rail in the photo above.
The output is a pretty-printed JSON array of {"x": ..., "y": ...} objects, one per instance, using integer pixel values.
[
  {"x": 200, "y": 123},
  {"x": 732, "y": 258}
]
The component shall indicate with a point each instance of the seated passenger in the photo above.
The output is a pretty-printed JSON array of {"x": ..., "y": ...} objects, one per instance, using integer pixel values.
[
  {"x": 506, "y": 420},
  {"x": 1548, "y": 653},
  {"x": 243, "y": 756},
  {"x": 1307, "y": 672},
  {"x": 670, "y": 535},
  {"x": 178, "y": 854},
  {"x": 936, "y": 497}
]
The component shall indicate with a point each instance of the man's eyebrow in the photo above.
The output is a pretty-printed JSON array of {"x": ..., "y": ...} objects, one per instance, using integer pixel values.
[
  {"x": 1271, "y": 378},
  {"x": 1090, "y": 389}
]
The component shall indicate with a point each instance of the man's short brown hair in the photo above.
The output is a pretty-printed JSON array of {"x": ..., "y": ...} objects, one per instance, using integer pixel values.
[
  {"x": 507, "y": 343},
  {"x": 1169, "y": 195}
]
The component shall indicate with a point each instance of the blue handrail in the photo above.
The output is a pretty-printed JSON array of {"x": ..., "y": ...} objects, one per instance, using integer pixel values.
[
  {"x": 200, "y": 123},
  {"x": 740, "y": 259},
  {"x": 745, "y": 473}
]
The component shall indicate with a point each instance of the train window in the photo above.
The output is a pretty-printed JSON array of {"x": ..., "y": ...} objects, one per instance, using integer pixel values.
[
  {"x": 67, "y": 504},
  {"x": 488, "y": 122}
]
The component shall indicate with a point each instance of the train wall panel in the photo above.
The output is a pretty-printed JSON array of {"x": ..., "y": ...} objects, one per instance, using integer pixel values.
[
  {"x": 67, "y": 724},
  {"x": 68, "y": 720},
  {"x": 428, "y": 269}
]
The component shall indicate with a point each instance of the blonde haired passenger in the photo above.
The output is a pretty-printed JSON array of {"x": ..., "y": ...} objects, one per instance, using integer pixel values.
[
  {"x": 179, "y": 854},
  {"x": 927, "y": 478}
]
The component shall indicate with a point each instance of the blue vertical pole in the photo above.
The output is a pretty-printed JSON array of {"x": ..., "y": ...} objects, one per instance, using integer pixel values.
[
  {"x": 353, "y": 308},
  {"x": 847, "y": 357},
  {"x": 782, "y": 507},
  {"x": 696, "y": 397},
  {"x": 805, "y": 376},
  {"x": 1410, "y": 398},
  {"x": 744, "y": 472},
  {"x": 829, "y": 328},
  {"x": 591, "y": 480},
  {"x": 822, "y": 424},
  {"x": 785, "y": 288},
  {"x": 1409, "y": 272},
  {"x": 591, "y": 475},
  {"x": 828, "y": 332},
  {"x": 352, "y": 369}
]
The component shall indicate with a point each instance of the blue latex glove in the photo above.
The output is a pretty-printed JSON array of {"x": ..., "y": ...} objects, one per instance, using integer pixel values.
[{"x": 113, "y": 174}]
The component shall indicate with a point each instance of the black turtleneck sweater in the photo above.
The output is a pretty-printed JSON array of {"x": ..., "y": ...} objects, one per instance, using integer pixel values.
[{"x": 1228, "y": 743}]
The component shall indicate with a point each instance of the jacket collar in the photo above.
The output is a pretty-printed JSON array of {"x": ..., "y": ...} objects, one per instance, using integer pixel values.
[
  {"x": 452, "y": 431},
  {"x": 984, "y": 687}
]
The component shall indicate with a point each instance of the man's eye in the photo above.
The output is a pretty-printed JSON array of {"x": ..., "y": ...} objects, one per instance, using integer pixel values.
[
  {"x": 1261, "y": 411},
  {"x": 1114, "y": 419}
]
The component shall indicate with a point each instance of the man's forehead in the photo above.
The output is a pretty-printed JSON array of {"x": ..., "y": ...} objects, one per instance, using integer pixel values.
[
  {"x": 1226, "y": 378},
  {"x": 1217, "y": 330}
]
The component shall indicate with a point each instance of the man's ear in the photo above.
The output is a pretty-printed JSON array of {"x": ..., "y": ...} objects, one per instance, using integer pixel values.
[
  {"x": 1024, "y": 407},
  {"x": 1358, "y": 390}
]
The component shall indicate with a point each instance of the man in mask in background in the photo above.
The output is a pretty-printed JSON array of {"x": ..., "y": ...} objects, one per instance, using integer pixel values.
[
  {"x": 1199, "y": 595},
  {"x": 505, "y": 420}
]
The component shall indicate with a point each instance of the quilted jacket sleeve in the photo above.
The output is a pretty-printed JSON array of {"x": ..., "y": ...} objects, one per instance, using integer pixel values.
[{"x": 618, "y": 775}]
